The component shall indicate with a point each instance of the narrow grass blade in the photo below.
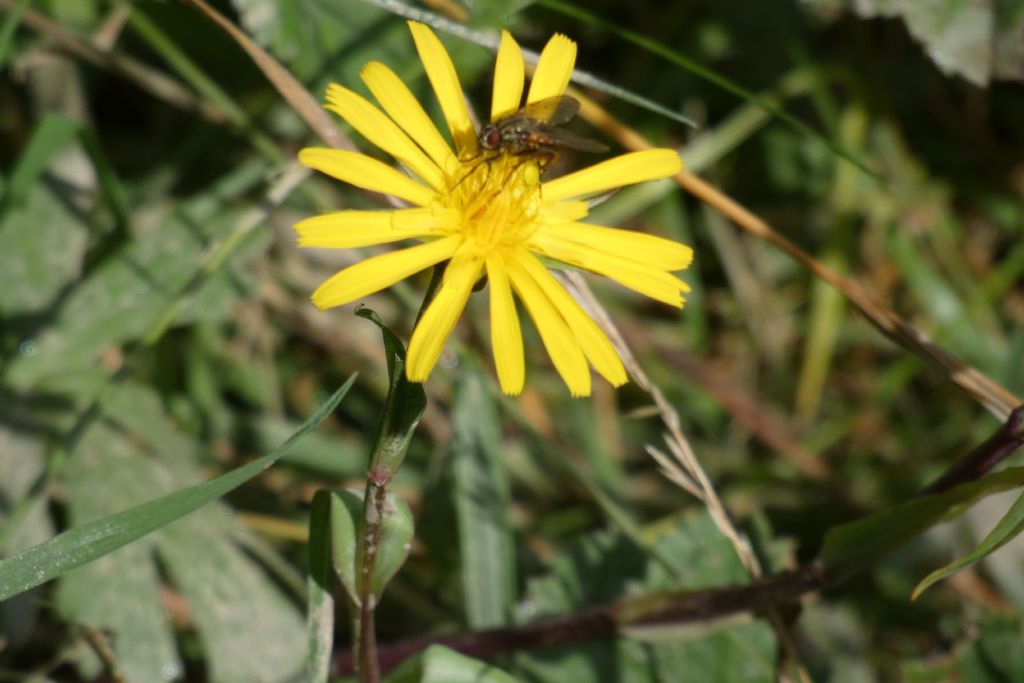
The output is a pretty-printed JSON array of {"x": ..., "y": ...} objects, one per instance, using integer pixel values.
[
  {"x": 491, "y": 40},
  {"x": 707, "y": 74},
  {"x": 86, "y": 543},
  {"x": 1009, "y": 527},
  {"x": 10, "y": 24},
  {"x": 481, "y": 503},
  {"x": 178, "y": 59},
  {"x": 320, "y": 600},
  {"x": 51, "y": 136},
  {"x": 293, "y": 92},
  {"x": 854, "y": 546}
]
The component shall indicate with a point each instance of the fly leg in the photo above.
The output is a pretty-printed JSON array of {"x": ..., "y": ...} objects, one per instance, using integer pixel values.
[{"x": 483, "y": 162}]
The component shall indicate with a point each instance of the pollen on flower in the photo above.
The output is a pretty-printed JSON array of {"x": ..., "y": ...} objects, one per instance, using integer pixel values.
[{"x": 497, "y": 199}]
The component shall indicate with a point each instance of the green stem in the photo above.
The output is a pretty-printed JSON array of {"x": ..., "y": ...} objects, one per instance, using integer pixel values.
[{"x": 405, "y": 404}]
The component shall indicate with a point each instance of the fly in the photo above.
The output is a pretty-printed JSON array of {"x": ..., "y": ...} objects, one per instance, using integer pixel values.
[{"x": 535, "y": 130}]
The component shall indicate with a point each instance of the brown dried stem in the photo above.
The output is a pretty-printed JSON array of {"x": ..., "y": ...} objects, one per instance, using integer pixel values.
[
  {"x": 763, "y": 596},
  {"x": 995, "y": 398}
]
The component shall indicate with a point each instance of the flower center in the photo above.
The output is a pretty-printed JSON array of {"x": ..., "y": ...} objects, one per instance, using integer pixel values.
[{"x": 498, "y": 199}]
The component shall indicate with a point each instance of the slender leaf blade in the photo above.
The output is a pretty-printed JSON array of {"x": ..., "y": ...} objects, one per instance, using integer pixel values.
[
  {"x": 859, "y": 544},
  {"x": 481, "y": 500},
  {"x": 1008, "y": 528},
  {"x": 49, "y": 138},
  {"x": 249, "y": 630},
  {"x": 438, "y": 664},
  {"x": 320, "y": 591},
  {"x": 405, "y": 403},
  {"x": 88, "y": 542},
  {"x": 705, "y": 73}
]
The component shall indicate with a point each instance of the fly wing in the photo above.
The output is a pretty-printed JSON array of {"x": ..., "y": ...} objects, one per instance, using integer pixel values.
[
  {"x": 554, "y": 111},
  {"x": 564, "y": 138}
]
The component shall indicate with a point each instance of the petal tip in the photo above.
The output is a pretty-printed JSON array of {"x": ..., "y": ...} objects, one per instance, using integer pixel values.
[
  {"x": 512, "y": 392},
  {"x": 319, "y": 302},
  {"x": 415, "y": 374}
]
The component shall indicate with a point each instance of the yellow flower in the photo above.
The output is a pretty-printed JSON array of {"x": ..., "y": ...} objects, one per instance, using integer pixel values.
[{"x": 486, "y": 216}]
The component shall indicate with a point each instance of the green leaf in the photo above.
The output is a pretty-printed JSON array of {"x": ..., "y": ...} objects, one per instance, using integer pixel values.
[
  {"x": 605, "y": 566},
  {"x": 992, "y": 655},
  {"x": 86, "y": 543},
  {"x": 995, "y": 656},
  {"x": 42, "y": 244},
  {"x": 346, "y": 518},
  {"x": 851, "y": 547},
  {"x": 481, "y": 502},
  {"x": 438, "y": 664},
  {"x": 234, "y": 607},
  {"x": 329, "y": 454},
  {"x": 22, "y": 461},
  {"x": 120, "y": 594},
  {"x": 979, "y": 40},
  {"x": 320, "y": 591},
  {"x": 124, "y": 296},
  {"x": 322, "y": 41},
  {"x": 42, "y": 236},
  {"x": 945, "y": 306},
  {"x": 10, "y": 24},
  {"x": 405, "y": 403},
  {"x": 250, "y": 631},
  {"x": 53, "y": 134},
  {"x": 1008, "y": 528},
  {"x": 396, "y": 532}
]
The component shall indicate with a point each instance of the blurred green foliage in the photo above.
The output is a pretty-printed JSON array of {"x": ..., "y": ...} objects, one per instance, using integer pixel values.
[{"x": 128, "y": 369}]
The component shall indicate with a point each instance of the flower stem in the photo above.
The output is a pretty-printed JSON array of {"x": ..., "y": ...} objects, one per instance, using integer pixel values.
[
  {"x": 366, "y": 636},
  {"x": 401, "y": 413}
]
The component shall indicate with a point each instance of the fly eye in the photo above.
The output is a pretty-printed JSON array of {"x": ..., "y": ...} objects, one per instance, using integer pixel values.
[{"x": 492, "y": 138}]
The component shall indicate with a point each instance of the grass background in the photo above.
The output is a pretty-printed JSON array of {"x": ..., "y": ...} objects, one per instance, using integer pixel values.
[{"x": 137, "y": 139}]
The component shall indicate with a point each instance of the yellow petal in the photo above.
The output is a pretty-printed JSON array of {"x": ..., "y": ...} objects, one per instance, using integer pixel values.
[
  {"x": 348, "y": 229},
  {"x": 441, "y": 73},
  {"x": 635, "y": 167},
  {"x": 434, "y": 328},
  {"x": 558, "y": 339},
  {"x": 362, "y": 171},
  {"x": 651, "y": 282},
  {"x": 506, "y": 337},
  {"x": 592, "y": 339},
  {"x": 374, "y": 274},
  {"x": 402, "y": 106},
  {"x": 508, "y": 78},
  {"x": 563, "y": 212},
  {"x": 650, "y": 250},
  {"x": 553, "y": 70},
  {"x": 376, "y": 127}
]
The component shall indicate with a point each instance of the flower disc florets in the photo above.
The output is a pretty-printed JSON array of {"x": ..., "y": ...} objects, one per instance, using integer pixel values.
[{"x": 498, "y": 201}]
